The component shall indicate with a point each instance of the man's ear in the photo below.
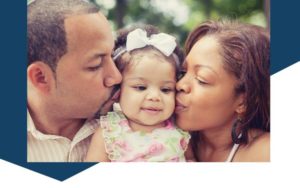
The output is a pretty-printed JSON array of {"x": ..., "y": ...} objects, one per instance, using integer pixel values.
[
  {"x": 241, "y": 105},
  {"x": 40, "y": 76}
]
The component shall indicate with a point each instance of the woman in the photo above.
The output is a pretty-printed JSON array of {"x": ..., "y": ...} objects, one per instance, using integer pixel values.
[{"x": 224, "y": 95}]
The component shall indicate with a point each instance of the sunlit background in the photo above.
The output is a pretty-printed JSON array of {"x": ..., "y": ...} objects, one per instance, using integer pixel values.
[{"x": 179, "y": 17}]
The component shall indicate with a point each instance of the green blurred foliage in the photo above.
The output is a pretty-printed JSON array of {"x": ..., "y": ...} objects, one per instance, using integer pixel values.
[{"x": 127, "y": 12}]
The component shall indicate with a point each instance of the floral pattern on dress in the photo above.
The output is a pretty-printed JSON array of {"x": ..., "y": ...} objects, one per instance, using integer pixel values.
[{"x": 122, "y": 144}]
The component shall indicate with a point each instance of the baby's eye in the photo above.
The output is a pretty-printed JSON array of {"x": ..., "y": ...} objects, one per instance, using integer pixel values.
[
  {"x": 167, "y": 90},
  {"x": 140, "y": 88}
]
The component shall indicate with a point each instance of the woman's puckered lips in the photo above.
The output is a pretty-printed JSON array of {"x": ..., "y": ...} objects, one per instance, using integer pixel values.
[{"x": 179, "y": 106}]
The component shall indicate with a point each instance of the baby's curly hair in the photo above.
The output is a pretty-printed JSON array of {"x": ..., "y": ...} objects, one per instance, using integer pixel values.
[{"x": 125, "y": 58}]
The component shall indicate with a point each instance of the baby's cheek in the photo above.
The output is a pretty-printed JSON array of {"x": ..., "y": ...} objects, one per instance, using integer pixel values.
[{"x": 171, "y": 104}]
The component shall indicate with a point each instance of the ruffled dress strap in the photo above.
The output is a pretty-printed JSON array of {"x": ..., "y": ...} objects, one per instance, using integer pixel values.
[{"x": 113, "y": 125}]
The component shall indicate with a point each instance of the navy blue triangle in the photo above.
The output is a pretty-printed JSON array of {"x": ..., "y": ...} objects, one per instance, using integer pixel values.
[
  {"x": 285, "y": 34},
  {"x": 13, "y": 95}
]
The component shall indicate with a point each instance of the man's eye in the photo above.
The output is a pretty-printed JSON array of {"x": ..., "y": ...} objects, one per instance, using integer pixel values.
[
  {"x": 167, "y": 90},
  {"x": 140, "y": 88},
  {"x": 95, "y": 68}
]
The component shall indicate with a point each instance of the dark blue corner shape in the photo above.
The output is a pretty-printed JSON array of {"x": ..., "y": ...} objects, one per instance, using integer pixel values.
[
  {"x": 284, "y": 52},
  {"x": 285, "y": 34},
  {"x": 13, "y": 94}
]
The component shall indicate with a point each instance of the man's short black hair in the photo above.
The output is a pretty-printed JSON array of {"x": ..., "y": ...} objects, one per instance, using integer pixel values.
[{"x": 46, "y": 35}]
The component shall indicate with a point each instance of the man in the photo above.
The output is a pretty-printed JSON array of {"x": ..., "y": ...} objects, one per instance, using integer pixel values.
[{"x": 70, "y": 74}]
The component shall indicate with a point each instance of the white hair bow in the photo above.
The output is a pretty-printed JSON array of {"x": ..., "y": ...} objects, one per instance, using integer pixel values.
[{"x": 163, "y": 42}]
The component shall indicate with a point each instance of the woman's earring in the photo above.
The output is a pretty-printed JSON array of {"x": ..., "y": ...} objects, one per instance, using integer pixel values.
[{"x": 237, "y": 131}]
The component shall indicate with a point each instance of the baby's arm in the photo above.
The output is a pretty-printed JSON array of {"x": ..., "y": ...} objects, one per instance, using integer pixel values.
[{"x": 96, "y": 152}]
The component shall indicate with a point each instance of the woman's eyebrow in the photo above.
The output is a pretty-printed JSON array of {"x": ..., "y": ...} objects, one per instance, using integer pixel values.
[{"x": 205, "y": 66}]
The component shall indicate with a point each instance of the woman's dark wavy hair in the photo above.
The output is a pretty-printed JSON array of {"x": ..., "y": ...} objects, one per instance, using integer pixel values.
[{"x": 245, "y": 50}]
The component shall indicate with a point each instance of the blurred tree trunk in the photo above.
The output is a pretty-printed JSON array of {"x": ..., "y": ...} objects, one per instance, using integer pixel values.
[
  {"x": 121, "y": 6},
  {"x": 207, "y": 8},
  {"x": 267, "y": 12}
]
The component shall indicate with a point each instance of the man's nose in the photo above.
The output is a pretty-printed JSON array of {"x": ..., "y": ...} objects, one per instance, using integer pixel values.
[{"x": 113, "y": 75}]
